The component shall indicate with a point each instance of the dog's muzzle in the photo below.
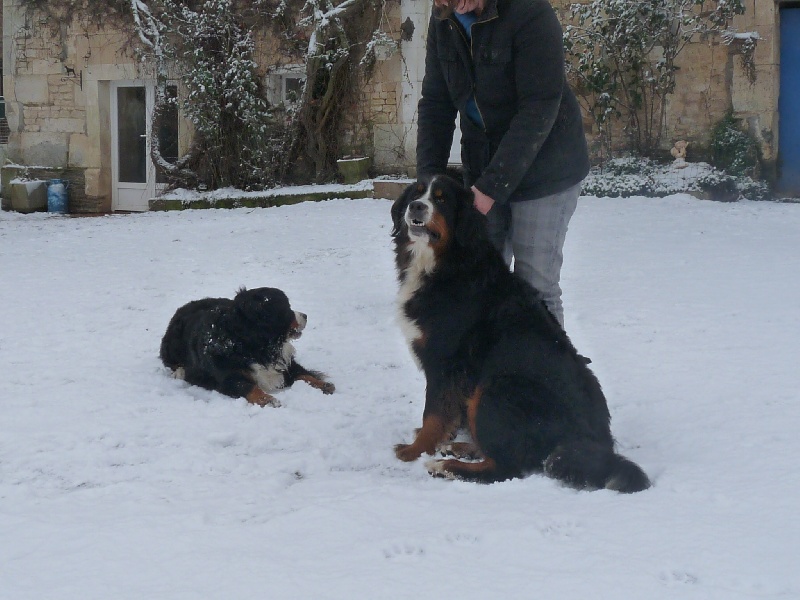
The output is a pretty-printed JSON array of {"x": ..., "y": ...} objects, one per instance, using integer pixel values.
[
  {"x": 300, "y": 320},
  {"x": 418, "y": 215}
]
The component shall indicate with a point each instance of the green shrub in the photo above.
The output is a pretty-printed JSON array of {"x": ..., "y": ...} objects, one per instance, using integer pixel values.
[
  {"x": 733, "y": 150},
  {"x": 719, "y": 186}
]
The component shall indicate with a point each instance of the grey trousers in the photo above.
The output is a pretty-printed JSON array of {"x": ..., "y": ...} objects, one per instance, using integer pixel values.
[{"x": 532, "y": 232}]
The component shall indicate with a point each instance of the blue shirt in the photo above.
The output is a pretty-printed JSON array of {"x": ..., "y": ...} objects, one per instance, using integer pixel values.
[{"x": 472, "y": 107}]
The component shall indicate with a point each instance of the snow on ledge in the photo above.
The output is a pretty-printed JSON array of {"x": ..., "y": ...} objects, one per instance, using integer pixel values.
[{"x": 185, "y": 195}]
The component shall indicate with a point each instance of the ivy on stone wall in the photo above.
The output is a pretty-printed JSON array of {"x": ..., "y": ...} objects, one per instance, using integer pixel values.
[
  {"x": 236, "y": 138},
  {"x": 239, "y": 139},
  {"x": 623, "y": 60},
  {"x": 338, "y": 59}
]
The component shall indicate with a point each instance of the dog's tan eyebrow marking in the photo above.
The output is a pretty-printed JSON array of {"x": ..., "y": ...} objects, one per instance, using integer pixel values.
[
  {"x": 420, "y": 188},
  {"x": 438, "y": 193}
]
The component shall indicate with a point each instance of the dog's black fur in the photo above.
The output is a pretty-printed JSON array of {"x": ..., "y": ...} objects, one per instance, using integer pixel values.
[
  {"x": 494, "y": 358},
  {"x": 240, "y": 347}
]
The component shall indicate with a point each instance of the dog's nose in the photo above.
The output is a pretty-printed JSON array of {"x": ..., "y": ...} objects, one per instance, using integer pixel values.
[
  {"x": 417, "y": 210},
  {"x": 300, "y": 320}
]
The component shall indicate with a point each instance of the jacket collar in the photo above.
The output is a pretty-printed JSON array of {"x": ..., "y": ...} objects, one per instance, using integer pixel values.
[{"x": 489, "y": 11}]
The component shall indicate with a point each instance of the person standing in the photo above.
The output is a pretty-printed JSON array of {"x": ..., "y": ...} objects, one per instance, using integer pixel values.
[{"x": 499, "y": 64}]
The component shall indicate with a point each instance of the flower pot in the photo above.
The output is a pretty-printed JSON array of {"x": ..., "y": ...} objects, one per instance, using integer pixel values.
[
  {"x": 355, "y": 169},
  {"x": 28, "y": 196}
]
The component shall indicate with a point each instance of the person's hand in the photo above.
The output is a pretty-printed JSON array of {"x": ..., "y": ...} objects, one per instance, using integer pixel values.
[{"x": 482, "y": 202}]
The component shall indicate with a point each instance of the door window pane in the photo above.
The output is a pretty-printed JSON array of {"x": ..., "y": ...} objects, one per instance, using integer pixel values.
[
  {"x": 293, "y": 89},
  {"x": 132, "y": 123}
]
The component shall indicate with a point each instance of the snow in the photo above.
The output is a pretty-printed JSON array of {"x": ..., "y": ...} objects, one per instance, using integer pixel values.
[
  {"x": 186, "y": 195},
  {"x": 31, "y": 185},
  {"x": 117, "y": 481},
  {"x": 730, "y": 36}
]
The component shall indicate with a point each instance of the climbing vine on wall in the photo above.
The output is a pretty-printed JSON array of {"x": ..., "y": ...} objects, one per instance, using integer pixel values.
[{"x": 623, "y": 59}]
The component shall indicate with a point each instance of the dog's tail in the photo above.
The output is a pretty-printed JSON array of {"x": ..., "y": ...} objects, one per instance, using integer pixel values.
[{"x": 588, "y": 465}]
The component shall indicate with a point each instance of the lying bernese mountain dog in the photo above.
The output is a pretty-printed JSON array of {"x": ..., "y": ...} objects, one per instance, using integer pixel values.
[
  {"x": 241, "y": 348},
  {"x": 495, "y": 360}
]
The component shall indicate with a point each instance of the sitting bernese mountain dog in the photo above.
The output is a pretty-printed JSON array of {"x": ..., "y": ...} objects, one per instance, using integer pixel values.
[
  {"x": 496, "y": 361},
  {"x": 241, "y": 348}
]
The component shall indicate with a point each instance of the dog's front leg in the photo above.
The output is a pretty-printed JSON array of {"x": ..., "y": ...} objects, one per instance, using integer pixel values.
[
  {"x": 239, "y": 385},
  {"x": 433, "y": 432},
  {"x": 261, "y": 398},
  {"x": 443, "y": 400},
  {"x": 297, "y": 372}
]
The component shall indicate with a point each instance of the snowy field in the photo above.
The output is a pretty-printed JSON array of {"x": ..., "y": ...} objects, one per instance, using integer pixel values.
[{"x": 118, "y": 482}]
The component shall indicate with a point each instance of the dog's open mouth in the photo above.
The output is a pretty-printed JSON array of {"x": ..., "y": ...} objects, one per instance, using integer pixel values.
[
  {"x": 418, "y": 229},
  {"x": 297, "y": 326}
]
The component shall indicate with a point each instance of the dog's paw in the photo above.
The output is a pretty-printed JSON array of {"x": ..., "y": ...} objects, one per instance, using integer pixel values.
[
  {"x": 326, "y": 387},
  {"x": 437, "y": 469},
  {"x": 407, "y": 452},
  {"x": 260, "y": 398},
  {"x": 463, "y": 450},
  {"x": 273, "y": 403}
]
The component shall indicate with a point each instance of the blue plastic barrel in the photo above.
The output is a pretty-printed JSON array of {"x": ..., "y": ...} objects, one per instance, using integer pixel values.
[{"x": 57, "y": 201}]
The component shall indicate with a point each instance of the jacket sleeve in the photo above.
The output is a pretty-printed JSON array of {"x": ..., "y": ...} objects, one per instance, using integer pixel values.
[
  {"x": 436, "y": 113},
  {"x": 540, "y": 77}
]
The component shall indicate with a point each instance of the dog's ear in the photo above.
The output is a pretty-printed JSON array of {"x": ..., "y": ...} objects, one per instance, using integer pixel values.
[
  {"x": 397, "y": 214},
  {"x": 470, "y": 223},
  {"x": 399, "y": 207}
]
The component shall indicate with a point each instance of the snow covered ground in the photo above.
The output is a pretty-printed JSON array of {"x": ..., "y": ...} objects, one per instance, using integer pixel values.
[{"x": 118, "y": 482}]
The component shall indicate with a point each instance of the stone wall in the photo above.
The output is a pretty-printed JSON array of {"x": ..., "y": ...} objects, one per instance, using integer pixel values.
[{"x": 53, "y": 69}]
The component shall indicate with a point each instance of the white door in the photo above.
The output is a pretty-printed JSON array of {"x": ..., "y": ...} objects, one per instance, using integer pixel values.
[{"x": 132, "y": 170}]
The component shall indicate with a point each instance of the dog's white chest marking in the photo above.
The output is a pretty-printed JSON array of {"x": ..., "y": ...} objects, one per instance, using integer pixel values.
[
  {"x": 422, "y": 263},
  {"x": 270, "y": 377},
  {"x": 414, "y": 276}
]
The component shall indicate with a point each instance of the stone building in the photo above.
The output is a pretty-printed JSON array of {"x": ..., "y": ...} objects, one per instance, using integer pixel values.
[
  {"x": 711, "y": 82},
  {"x": 76, "y": 103}
]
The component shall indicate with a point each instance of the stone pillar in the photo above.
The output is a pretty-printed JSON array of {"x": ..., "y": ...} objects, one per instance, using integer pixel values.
[{"x": 418, "y": 13}]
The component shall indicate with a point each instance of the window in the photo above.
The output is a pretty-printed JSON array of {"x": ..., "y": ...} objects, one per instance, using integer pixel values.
[
  {"x": 285, "y": 84},
  {"x": 292, "y": 88}
]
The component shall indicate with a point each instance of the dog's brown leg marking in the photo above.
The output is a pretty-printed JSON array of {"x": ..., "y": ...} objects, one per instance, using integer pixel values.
[
  {"x": 472, "y": 410},
  {"x": 456, "y": 468},
  {"x": 432, "y": 433},
  {"x": 325, "y": 386},
  {"x": 261, "y": 398},
  {"x": 451, "y": 435}
]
